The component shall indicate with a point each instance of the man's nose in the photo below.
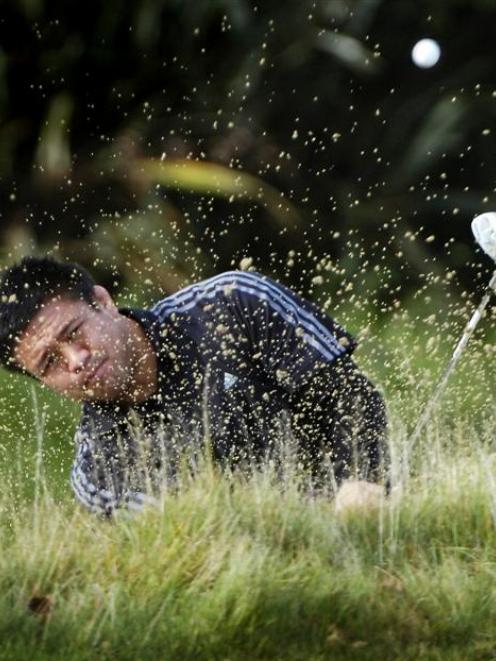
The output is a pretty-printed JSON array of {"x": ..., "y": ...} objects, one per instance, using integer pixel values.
[{"x": 75, "y": 356}]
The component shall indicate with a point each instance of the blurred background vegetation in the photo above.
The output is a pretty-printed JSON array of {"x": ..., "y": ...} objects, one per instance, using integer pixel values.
[
  {"x": 161, "y": 141},
  {"x": 157, "y": 142}
]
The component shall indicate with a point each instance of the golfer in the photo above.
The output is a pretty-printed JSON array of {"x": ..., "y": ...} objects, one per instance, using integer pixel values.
[{"x": 237, "y": 359}]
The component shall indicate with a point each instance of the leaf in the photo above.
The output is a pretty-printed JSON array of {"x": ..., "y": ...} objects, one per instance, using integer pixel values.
[
  {"x": 336, "y": 635},
  {"x": 438, "y": 134},
  {"x": 349, "y": 51},
  {"x": 389, "y": 581},
  {"x": 220, "y": 181},
  {"x": 53, "y": 155},
  {"x": 41, "y": 605}
]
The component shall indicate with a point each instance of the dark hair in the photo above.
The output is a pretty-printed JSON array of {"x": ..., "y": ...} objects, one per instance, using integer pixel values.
[{"x": 26, "y": 286}]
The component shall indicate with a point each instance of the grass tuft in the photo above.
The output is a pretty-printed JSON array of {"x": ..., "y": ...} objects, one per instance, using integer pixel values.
[{"x": 237, "y": 569}]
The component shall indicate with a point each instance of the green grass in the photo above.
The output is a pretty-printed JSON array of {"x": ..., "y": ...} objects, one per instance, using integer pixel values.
[{"x": 230, "y": 569}]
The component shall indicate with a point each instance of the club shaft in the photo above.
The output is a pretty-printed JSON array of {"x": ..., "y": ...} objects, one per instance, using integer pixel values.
[{"x": 441, "y": 385}]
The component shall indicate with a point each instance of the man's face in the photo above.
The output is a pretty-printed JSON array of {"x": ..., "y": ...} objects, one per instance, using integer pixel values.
[{"x": 79, "y": 351}]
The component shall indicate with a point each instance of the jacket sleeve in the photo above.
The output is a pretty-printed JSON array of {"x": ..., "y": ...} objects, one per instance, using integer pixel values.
[
  {"x": 281, "y": 333},
  {"x": 103, "y": 475}
]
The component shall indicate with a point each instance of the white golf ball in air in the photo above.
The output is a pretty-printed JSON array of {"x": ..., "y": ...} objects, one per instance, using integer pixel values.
[{"x": 426, "y": 53}]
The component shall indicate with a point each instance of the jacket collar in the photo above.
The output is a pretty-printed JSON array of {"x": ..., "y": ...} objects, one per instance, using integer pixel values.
[{"x": 161, "y": 340}]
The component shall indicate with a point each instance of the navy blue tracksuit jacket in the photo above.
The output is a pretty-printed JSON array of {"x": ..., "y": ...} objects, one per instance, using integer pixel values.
[{"x": 239, "y": 356}]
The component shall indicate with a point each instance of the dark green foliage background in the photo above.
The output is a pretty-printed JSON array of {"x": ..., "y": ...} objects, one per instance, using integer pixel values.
[{"x": 375, "y": 144}]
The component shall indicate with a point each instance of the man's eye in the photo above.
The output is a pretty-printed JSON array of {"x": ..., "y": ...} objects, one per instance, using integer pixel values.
[
  {"x": 73, "y": 332},
  {"x": 48, "y": 363}
]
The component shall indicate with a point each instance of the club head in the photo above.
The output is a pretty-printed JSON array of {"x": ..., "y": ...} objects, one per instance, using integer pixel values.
[{"x": 484, "y": 229}]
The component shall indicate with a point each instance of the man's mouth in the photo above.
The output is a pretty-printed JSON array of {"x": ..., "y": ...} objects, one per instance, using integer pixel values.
[{"x": 94, "y": 374}]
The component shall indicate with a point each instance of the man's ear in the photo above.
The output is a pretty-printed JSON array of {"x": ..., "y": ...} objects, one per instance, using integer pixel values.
[{"x": 102, "y": 298}]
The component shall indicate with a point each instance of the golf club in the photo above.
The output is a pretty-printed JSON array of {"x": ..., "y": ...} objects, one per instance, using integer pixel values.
[{"x": 484, "y": 230}]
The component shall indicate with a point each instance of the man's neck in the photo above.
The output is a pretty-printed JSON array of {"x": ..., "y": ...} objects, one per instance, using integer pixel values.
[{"x": 145, "y": 378}]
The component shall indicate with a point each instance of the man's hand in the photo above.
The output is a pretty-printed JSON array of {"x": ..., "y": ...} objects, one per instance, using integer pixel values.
[{"x": 358, "y": 495}]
